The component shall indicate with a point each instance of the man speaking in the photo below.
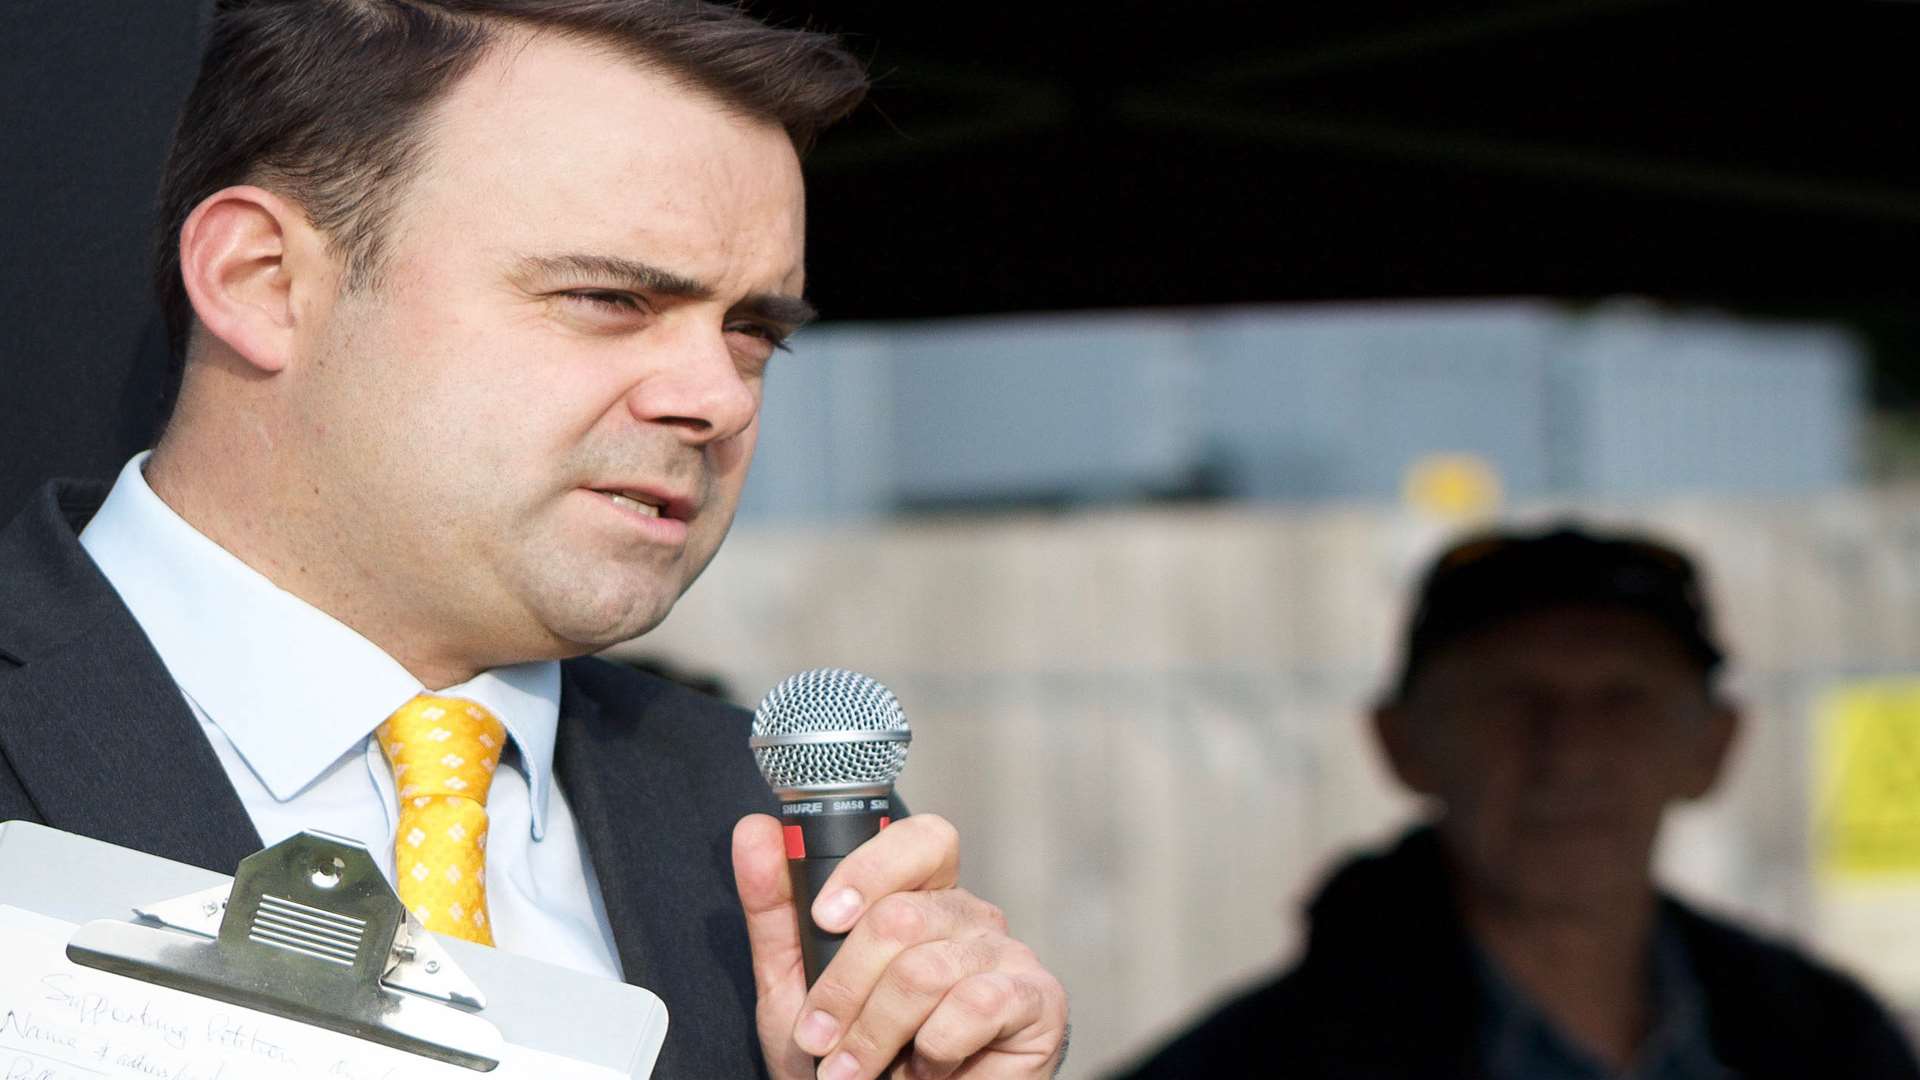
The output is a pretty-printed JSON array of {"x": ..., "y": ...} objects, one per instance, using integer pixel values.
[{"x": 475, "y": 298}]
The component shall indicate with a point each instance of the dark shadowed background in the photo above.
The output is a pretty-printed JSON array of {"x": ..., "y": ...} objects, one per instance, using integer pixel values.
[{"x": 1041, "y": 157}]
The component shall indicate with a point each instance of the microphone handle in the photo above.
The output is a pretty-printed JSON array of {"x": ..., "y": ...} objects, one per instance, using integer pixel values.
[{"x": 820, "y": 833}]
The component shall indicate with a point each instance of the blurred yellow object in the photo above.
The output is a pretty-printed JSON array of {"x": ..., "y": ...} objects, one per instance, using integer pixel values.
[
  {"x": 1867, "y": 798},
  {"x": 1455, "y": 487}
]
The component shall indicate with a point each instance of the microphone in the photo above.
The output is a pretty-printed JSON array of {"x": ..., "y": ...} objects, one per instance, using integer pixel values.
[{"x": 830, "y": 743}]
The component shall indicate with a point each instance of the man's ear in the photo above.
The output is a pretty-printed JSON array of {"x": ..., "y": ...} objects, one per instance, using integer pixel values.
[
  {"x": 1714, "y": 747},
  {"x": 244, "y": 253},
  {"x": 1404, "y": 747}
]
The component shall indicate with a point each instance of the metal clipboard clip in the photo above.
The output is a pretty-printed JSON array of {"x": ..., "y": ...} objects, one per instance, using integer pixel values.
[{"x": 310, "y": 931}]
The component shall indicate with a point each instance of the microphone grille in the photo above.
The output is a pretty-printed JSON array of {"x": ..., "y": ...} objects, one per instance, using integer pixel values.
[{"x": 829, "y": 728}]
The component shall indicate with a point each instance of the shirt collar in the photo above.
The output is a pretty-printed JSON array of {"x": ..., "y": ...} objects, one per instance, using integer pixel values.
[{"x": 289, "y": 685}]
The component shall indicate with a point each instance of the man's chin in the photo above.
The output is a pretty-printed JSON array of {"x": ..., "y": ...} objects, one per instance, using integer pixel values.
[
  {"x": 1572, "y": 877},
  {"x": 586, "y": 630},
  {"x": 1572, "y": 884}
]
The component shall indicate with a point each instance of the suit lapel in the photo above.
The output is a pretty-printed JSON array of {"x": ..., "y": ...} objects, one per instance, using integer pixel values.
[
  {"x": 105, "y": 746},
  {"x": 90, "y": 722},
  {"x": 656, "y": 777},
  {"x": 592, "y": 761}
]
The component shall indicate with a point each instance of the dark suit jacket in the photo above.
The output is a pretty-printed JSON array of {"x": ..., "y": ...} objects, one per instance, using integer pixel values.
[
  {"x": 1387, "y": 990},
  {"x": 96, "y": 739}
]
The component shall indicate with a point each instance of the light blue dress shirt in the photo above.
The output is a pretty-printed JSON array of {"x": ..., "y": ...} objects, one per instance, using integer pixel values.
[{"x": 289, "y": 696}]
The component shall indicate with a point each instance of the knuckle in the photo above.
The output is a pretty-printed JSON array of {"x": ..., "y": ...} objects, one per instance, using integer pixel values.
[
  {"x": 924, "y": 971},
  {"x": 1017, "y": 954},
  {"x": 993, "y": 916},
  {"x": 1053, "y": 998},
  {"x": 898, "y": 917},
  {"x": 943, "y": 1046},
  {"x": 833, "y": 997},
  {"x": 985, "y": 995},
  {"x": 864, "y": 1043}
]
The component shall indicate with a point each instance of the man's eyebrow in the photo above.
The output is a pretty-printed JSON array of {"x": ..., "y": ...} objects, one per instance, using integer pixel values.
[
  {"x": 626, "y": 273},
  {"x": 789, "y": 313}
]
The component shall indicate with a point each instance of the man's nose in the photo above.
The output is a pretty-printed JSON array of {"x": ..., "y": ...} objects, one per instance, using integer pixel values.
[
  {"x": 696, "y": 387},
  {"x": 1573, "y": 735}
]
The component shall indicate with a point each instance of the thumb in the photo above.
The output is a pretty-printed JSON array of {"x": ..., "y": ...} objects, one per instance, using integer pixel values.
[{"x": 773, "y": 935}]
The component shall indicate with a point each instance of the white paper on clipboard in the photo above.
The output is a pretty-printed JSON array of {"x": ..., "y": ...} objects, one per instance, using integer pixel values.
[
  {"x": 63, "y": 895},
  {"x": 61, "y": 1021}
]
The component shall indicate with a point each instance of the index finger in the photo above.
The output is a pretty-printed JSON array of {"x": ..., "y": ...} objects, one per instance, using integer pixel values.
[{"x": 911, "y": 855}]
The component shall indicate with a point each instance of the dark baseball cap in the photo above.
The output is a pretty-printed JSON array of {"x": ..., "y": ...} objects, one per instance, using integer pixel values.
[{"x": 1493, "y": 576}]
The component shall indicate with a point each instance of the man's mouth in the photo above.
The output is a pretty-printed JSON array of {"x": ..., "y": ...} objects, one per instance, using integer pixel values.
[{"x": 635, "y": 502}]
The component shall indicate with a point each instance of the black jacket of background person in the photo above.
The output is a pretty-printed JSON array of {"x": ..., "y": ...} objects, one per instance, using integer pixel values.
[
  {"x": 1387, "y": 989},
  {"x": 96, "y": 739}
]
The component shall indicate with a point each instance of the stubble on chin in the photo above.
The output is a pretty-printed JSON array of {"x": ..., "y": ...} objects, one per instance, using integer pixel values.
[
  {"x": 585, "y": 603},
  {"x": 591, "y": 592}
]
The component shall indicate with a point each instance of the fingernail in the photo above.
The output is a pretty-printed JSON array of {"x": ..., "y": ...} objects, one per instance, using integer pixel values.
[
  {"x": 816, "y": 1033},
  {"x": 840, "y": 1066},
  {"x": 836, "y": 912}
]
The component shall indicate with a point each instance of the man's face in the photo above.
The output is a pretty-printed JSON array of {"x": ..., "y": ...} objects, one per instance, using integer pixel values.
[
  {"x": 1555, "y": 741},
  {"x": 579, "y": 297}
]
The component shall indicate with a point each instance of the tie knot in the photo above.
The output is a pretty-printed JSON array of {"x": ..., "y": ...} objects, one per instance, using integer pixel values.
[{"x": 442, "y": 746}]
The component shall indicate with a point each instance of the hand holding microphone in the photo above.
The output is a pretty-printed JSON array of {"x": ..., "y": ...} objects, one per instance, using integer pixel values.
[{"x": 866, "y": 955}]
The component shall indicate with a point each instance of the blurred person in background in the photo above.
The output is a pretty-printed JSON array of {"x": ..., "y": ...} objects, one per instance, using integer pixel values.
[{"x": 1558, "y": 692}]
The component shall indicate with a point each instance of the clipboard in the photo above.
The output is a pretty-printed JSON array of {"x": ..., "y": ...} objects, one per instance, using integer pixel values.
[{"x": 309, "y": 931}]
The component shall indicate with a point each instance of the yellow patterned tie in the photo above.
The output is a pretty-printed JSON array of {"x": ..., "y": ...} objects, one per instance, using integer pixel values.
[{"x": 443, "y": 751}]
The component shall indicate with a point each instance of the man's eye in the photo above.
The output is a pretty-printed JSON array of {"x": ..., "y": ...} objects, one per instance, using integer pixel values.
[
  {"x": 771, "y": 335},
  {"x": 601, "y": 298}
]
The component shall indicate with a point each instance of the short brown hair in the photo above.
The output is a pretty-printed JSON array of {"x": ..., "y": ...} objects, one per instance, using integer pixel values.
[{"x": 322, "y": 100}]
